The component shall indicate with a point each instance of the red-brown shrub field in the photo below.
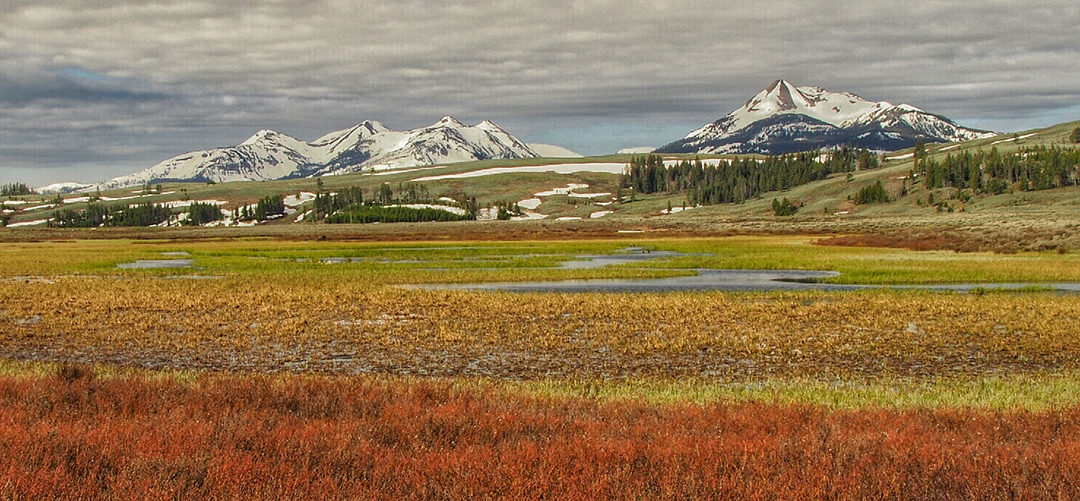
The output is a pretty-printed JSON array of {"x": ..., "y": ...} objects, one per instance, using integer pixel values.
[{"x": 75, "y": 436}]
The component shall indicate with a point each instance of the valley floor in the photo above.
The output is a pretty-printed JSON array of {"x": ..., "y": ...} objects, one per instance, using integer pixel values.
[{"x": 278, "y": 364}]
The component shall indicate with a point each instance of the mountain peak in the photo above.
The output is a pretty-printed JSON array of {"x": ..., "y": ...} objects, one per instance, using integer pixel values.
[
  {"x": 782, "y": 118},
  {"x": 258, "y": 136},
  {"x": 449, "y": 121},
  {"x": 489, "y": 126}
]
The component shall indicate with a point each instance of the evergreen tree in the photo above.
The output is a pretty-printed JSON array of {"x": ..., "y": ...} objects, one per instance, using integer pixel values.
[{"x": 1075, "y": 136}]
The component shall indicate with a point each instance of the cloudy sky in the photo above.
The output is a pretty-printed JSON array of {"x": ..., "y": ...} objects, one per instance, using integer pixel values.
[{"x": 89, "y": 92}]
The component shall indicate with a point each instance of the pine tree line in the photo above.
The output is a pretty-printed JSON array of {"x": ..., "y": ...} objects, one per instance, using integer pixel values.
[
  {"x": 200, "y": 213},
  {"x": 15, "y": 189},
  {"x": 392, "y": 214},
  {"x": 1028, "y": 169},
  {"x": 742, "y": 178},
  {"x": 97, "y": 214}
]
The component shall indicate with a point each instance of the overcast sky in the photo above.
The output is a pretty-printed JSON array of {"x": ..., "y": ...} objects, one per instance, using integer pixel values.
[{"x": 89, "y": 92}]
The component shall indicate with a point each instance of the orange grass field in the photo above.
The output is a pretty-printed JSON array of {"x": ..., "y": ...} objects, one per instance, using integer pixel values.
[{"x": 74, "y": 436}]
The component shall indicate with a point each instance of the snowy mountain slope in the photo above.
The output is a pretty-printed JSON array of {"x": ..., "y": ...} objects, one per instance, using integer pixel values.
[
  {"x": 554, "y": 151},
  {"x": 783, "y": 118},
  {"x": 368, "y": 145}
]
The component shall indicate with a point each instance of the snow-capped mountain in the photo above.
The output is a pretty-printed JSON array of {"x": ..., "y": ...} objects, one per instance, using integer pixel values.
[
  {"x": 62, "y": 188},
  {"x": 784, "y": 118},
  {"x": 367, "y": 146}
]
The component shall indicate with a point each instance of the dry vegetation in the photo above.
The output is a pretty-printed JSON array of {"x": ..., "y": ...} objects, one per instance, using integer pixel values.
[
  {"x": 309, "y": 325},
  {"x": 257, "y": 437}
]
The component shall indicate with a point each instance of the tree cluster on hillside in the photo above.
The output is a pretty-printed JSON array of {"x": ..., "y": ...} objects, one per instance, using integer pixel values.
[
  {"x": 200, "y": 213},
  {"x": 784, "y": 207},
  {"x": 1075, "y": 136},
  {"x": 268, "y": 207},
  {"x": 392, "y": 214},
  {"x": 98, "y": 214},
  {"x": 15, "y": 189},
  {"x": 872, "y": 194},
  {"x": 743, "y": 178},
  {"x": 350, "y": 205},
  {"x": 1028, "y": 169}
]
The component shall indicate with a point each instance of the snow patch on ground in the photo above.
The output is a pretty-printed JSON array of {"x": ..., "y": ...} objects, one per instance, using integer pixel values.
[
  {"x": 568, "y": 218},
  {"x": 453, "y": 210},
  {"x": 1025, "y": 136},
  {"x": 901, "y": 157},
  {"x": 609, "y": 168},
  {"x": 561, "y": 191},
  {"x": 37, "y": 207},
  {"x": 676, "y": 209},
  {"x": 589, "y": 195},
  {"x": 296, "y": 201},
  {"x": 530, "y": 203},
  {"x": 29, "y": 223},
  {"x": 187, "y": 203},
  {"x": 598, "y": 214}
]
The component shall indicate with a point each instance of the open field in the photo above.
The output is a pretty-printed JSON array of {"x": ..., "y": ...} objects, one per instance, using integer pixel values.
[
  {"x": 228, "y": 436},
  {"x": 292, "y": 306}
]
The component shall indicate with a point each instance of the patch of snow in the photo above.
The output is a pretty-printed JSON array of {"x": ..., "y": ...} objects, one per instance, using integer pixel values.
[
  {"x": 676, "y": 209},
  {"x": 448, "y": 200},
  {"x": 37, "y": 207},
  {"x": 589, "y": 195},
  {"x": 453, "y": 210},
  {"x": 296, "y": 201},
  {"x": 598, "y": 214},
  {"x": 187, "y": 203},
  {"x": 630, "y": 231},
  {"x": 29, "y": 223},
  {"x": 568, "y": 218},
  {"x": 608, "y": 168},
  {"x": 530, "y": 203},
  {"x": 528, "y": 215},
  {"x": 901, "y": 157},
  {"x": 561, "y": 191},
  {"x": 303, "y": 215},
  {"x": 949, "y": 147}
]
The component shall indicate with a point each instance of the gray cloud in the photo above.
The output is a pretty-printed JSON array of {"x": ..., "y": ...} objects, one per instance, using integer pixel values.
[{"x": 128, "y": 84}]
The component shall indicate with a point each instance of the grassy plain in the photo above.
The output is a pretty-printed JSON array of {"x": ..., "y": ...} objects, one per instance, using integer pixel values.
[{"x": 134, "y": 435}]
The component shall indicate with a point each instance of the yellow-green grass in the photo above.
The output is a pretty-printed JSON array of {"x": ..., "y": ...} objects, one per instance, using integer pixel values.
[
  {"x": 382, "y": 263},
  {"x": 1034, "y": 393}
]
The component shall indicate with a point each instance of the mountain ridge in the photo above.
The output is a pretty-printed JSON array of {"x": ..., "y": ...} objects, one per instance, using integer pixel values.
[
  {"x": 783, "y": 118},
  {"x": 369, "y": 145}
]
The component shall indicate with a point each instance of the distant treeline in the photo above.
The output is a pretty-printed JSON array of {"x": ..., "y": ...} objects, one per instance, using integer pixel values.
[
  {"x": 1028, "y": 169},
  {"x": 740, "y": 179},
  {"x": 349, "y": 205},
  {"x": 392, "y": 214},
  {"x": 15, "y": 189},
  {"x": 267, "y": 207},
  {"x": 97, "y": 214},
  {"x": 200, "y": 213}
]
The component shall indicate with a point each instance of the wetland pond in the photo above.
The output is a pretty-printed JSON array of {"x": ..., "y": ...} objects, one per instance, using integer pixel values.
[{"x": 706, "y": 279}]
